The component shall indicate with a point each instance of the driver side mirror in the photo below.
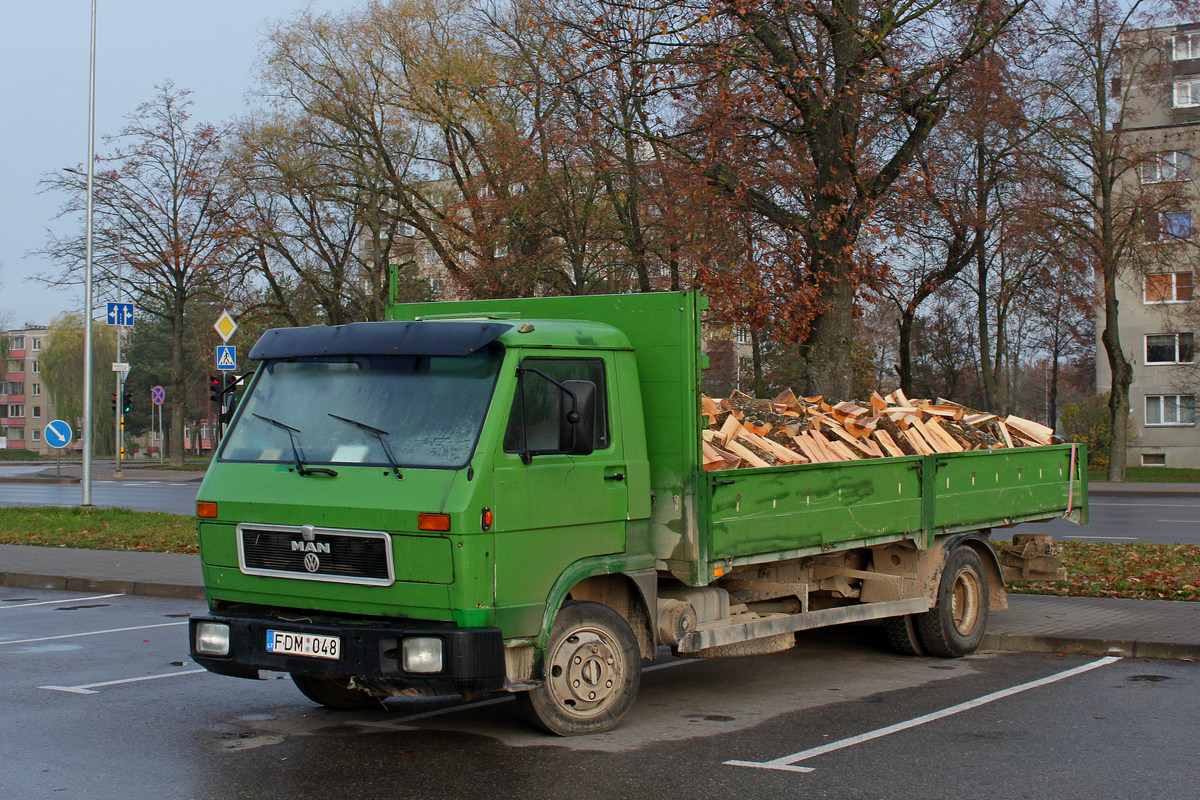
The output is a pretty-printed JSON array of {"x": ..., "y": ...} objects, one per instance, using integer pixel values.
[{"x": 577, "y": 418}]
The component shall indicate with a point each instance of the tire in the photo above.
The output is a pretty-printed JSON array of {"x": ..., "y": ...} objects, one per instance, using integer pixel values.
[
  {"x": 954, "y": 627},
  {"x": 902, "y": 636},
  {"x": 334, "y": 693},
  {"x": 592, "y": 671}
]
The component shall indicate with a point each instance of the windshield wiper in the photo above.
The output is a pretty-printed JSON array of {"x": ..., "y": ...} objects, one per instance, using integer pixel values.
[
  {"x": 303, "y": 470},
  {"x": 378, "y": 433}
]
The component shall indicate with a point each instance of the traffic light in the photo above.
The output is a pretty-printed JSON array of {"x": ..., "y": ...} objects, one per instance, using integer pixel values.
[
  {"x": 126, "y": 402},
  {"x": 114, "y": 401},
  {"x": 215, "y": 386}
]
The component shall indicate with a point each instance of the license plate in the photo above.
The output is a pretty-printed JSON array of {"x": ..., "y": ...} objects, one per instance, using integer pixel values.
[{"x": 304, "y": 644}]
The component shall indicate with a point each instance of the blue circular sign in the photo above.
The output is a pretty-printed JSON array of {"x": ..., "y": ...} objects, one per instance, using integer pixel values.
[
  {"x": 58, "y": 434},
  {"x": 158, "y": 395}
]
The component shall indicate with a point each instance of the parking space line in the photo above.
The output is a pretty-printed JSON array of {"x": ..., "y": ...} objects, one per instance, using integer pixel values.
[
  {"x": 60, "y": 602},
  {"x": 788, "y": 763},
  {"x": 90, "y": 688},
  {"x": 93, "y": 633}
]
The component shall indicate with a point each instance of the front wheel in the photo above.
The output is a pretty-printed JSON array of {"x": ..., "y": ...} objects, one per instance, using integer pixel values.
[
  {"x": 334, "y": 693},
  {"x": 955, "y": 625},
  {"x": 592, "y": 671}
]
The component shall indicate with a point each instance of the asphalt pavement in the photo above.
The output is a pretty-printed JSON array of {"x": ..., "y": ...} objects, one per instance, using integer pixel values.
[{"x": 1032, "y": 623}]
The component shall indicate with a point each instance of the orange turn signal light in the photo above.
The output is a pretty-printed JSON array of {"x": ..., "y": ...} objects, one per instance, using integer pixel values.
[
  {"x": 433, "y": 522},
  {"x": 206, "y": 509}
]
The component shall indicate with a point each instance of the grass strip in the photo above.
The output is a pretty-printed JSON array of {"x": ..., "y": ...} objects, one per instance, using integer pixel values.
[
  {"x": 1140, "y": 571},
  {"x": 1151, "y": 475},
  {"x": 99, "y": 529}
]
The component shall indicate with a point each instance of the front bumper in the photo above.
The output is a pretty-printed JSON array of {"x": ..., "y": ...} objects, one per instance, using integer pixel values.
[{"x": 472, "y": 658}]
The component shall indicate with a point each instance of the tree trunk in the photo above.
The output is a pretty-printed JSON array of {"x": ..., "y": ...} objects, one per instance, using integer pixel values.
[
  {"x": 1122, "y": 377},
  {"x": 178, "y": 386},
  {"x": 828, "y": 350},
  {"x": 904, "y": 347}
]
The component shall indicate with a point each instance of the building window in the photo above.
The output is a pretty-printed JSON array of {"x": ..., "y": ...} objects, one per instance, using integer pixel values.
[
  {"x": 35, "y": 366},
  {"x": 1170, "y": 409},
  {"x": 1187, "y": 93},
  {"x": 1154, "y": 459},
  {"x": 15, "y": 365},
  {"x": 35, "y": 389},
  {"x": 1172, "y": 166},
  {"x": 742, "y": 334},
  {"x": 1168, "y": 225},
  {"x": 37, "y": 412},
  {"x": 14, "y": 387},
  {"x": 1169, "y": 348},
  {"x": 1186, "y": 46},
  {"x": 1168, "y": 287},
  {"x": 37, "y": 435},
  {"x": 16, "y": 411},
  {"x": 37, "y": 344}
]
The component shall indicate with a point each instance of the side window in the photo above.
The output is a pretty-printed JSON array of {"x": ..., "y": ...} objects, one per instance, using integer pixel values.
[{"x": 533, "y": 421}]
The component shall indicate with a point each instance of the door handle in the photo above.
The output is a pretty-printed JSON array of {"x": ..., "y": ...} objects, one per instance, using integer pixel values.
[{"x": 619, "y": 476}]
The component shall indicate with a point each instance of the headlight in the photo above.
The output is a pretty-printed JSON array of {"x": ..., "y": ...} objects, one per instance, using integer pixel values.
[
  {"x": 422, "y": 654},
  {"x": 212, "y": 639}
]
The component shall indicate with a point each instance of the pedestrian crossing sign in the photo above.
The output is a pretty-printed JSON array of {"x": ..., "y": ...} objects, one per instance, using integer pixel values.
[{"x": 226, "y": 357}]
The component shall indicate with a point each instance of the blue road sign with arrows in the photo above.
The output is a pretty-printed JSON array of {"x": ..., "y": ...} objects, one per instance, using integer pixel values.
[
  {"x": 120, "y": 313},
  {"x": 58, "y": 433}
]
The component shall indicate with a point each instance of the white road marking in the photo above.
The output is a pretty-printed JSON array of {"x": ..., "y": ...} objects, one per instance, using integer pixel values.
[
  {"x": 94, "y": 633},
  {"x": 64, "y": 602},
  {"x": 1192, "y": 521},
  {"x": 90, "y": 688},
  {"x": 788, "y": 763}
]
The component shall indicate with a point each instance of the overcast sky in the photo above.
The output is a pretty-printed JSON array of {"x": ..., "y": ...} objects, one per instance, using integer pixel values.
[{"x": 209, "y": 47}]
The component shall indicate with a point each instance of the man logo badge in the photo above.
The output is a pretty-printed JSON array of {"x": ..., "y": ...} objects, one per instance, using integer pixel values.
[{"x": 311, "y": 562}]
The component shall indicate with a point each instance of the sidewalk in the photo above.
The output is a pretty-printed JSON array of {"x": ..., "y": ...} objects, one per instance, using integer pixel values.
[
  {"x": 102, "y": 470},
  {"x": 1032, "y": 623}
]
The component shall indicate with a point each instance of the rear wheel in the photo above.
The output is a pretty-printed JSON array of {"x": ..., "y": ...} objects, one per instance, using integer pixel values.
[
  {"x": 955, "y": 625},
  {"x": 592, "y": 671},
  {"x": 902, "y": 635},
  {"x": 333, "y": 692}
]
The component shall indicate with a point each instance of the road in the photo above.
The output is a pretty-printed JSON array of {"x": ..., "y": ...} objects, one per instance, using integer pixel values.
[
  {"x": 1174, "y": 520},
  {"x": 173, "y": 497},
  {"x": 99, "y": 700}
]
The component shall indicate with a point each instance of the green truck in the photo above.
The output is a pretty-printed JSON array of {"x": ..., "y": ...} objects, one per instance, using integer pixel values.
[{"x": 507, "y": 495}]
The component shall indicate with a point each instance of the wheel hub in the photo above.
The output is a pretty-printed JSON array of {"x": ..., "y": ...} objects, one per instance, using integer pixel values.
[
  {"x": 585, "y": 672},
  {"x": 965, "y": 602}
]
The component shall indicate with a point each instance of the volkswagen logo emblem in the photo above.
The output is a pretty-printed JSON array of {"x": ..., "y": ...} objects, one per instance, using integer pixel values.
[{"x": 311, "y": 562}]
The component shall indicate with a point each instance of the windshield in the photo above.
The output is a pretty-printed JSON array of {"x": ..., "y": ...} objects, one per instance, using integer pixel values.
[{"x": 390, "y": 411}]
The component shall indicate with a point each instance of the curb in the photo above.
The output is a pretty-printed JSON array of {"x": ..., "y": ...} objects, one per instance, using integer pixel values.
[
  {"x": 24, "y": 580},
  {"x": 1080, "y": 645}
]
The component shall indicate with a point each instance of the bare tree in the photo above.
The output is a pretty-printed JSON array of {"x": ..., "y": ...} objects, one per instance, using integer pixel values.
[{"x": 165, "y": 224}]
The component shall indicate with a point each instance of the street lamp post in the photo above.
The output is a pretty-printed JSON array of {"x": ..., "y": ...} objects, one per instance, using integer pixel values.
[{"x": 86, "y": 477}]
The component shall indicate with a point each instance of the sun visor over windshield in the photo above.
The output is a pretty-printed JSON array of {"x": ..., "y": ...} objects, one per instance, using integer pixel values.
[{"x": 422, "y": 338}]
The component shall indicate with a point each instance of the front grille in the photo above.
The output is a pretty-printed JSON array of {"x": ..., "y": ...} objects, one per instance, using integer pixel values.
[{"x": 316, "y": 554}]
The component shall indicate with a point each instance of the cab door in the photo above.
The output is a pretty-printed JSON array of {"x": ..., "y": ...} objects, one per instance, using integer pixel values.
[{"x": 553, "y": 509}]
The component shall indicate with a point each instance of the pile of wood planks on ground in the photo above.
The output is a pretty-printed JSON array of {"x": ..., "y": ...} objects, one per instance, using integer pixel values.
[{"x": 747, "y": 432}]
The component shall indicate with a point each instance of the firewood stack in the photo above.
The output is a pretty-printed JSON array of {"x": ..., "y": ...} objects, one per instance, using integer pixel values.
[{"x": 744, "y": 432}]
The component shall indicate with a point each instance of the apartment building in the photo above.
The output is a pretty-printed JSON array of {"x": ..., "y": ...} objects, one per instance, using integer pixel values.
[
  {"x": 25, "y": 405},
  {"x": 1159, "y": 309}
]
